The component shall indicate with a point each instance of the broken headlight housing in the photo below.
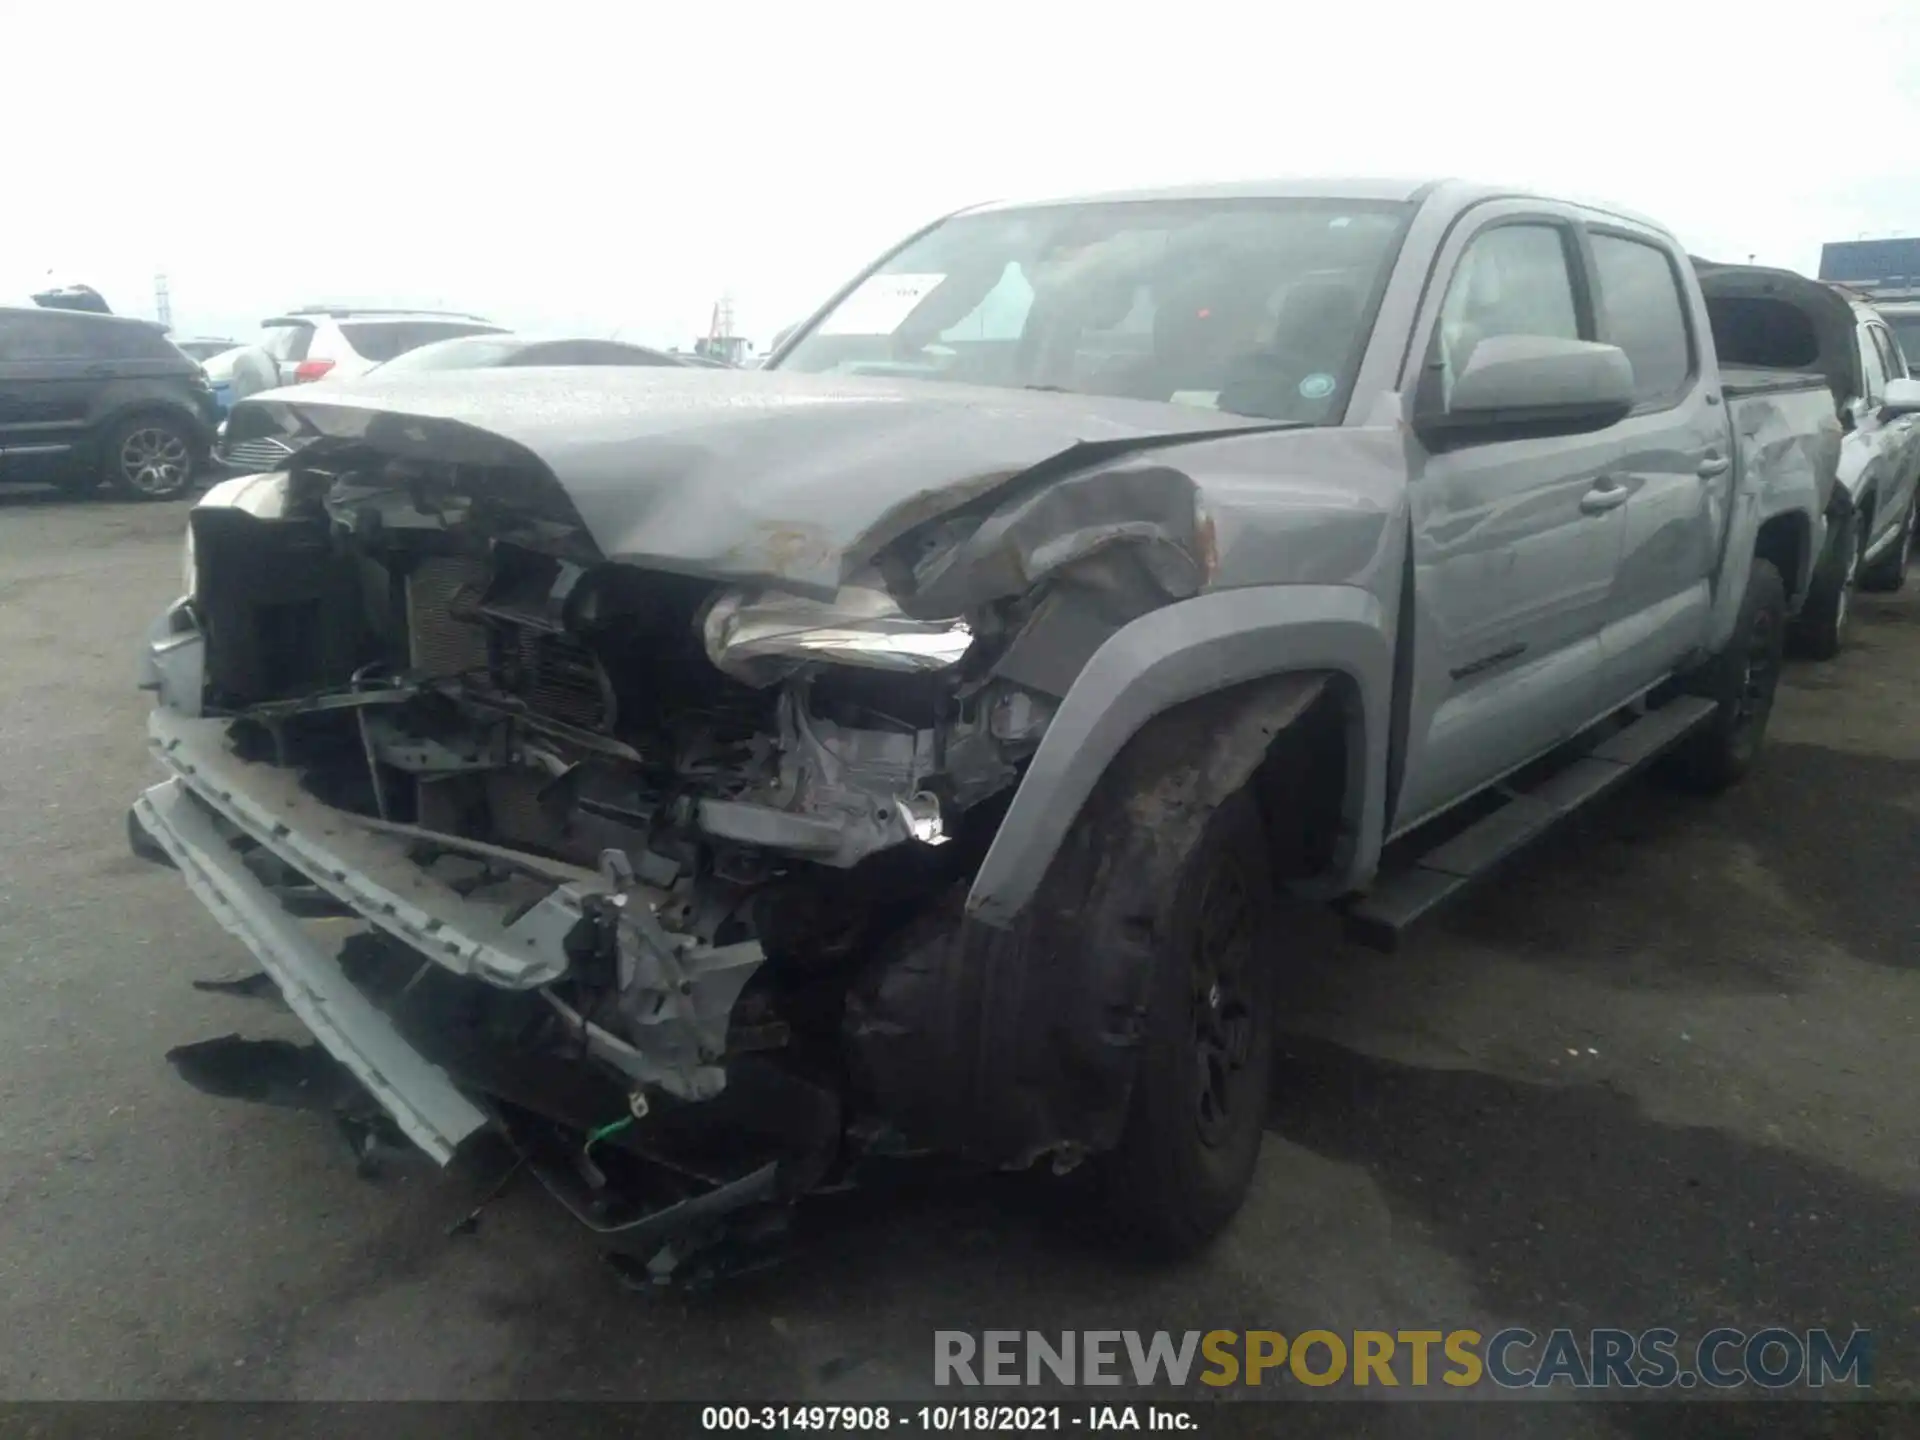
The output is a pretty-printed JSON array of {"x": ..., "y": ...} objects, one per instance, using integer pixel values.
[{"x": 763, "y": 637}]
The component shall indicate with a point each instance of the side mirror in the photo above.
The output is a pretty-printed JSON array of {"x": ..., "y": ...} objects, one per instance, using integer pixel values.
[
  {"x": 1903, "y": 398},
  {"x": 1515, "y": 385}
]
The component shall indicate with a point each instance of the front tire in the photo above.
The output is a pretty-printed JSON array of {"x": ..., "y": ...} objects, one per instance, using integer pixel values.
[
  {"x": 148, "y": 457},
  {"x": 1821, "y": 629},
  {"x": 1186, "y": 1158},
  {"x": 1742, "y": 678}
]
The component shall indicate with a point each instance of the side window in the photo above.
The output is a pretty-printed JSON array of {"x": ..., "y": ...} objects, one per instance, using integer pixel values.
[
  {"x": 121, "y": 340},
  {"x": 40, "y": 337},
  {"x": 383, "y": 339},
  {"x": 1873, "y": 370},
  {"x": 1641, "y": 311},
  {"x": 1890, "y": 357},
  {"x": 1512, "y": 280},
  {"x": 287, "y": 342}
]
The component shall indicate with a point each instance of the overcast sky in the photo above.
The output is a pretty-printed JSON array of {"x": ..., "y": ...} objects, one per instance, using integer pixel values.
[{"x": 615, "y": 168}]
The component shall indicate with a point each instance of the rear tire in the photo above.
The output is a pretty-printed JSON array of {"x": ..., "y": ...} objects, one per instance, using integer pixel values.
[
  {"x": 148, "y": 457},
  {"x": 1742, "y": 678},
  {"x": 1186, "y": 1158},
  {"x": 1820, "y": 631},
  {"x": 1889, "y": 572}
]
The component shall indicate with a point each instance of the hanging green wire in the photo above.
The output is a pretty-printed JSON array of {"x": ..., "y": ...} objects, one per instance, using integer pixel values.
[{"x": 611, "y": 1128}]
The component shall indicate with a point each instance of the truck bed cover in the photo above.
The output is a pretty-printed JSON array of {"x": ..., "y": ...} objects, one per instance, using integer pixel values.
[{"x": 1754, "y": 380}]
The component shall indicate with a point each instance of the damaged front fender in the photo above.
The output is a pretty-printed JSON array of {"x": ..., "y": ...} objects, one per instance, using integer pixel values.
[{"x": 1175, "y": 655}]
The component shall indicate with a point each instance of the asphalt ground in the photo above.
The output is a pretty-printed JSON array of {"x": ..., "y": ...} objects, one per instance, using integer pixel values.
[{"x": 1661, "y": 1072}]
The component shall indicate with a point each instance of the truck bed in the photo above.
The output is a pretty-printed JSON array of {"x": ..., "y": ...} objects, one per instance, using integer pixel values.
[
  {"x": 1786, "y": 434},
  {"x": 1740, "y": 380}
]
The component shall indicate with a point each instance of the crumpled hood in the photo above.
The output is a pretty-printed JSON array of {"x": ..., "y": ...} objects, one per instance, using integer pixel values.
[{"x": 791, "y": 481}]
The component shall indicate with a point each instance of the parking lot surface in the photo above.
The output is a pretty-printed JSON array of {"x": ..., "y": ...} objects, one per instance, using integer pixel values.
[{"x": 1660, "y": 1072}]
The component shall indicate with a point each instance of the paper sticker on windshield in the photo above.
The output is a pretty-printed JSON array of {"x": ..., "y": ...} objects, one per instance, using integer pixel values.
[
  {"x": 1316, "y": 386},
  {"x": 879, "y": 305},
  {"x": 1204, "y": 399}
]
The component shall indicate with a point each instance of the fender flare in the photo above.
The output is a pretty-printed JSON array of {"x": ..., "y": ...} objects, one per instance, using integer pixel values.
[{"x": 1180, "y": 653}]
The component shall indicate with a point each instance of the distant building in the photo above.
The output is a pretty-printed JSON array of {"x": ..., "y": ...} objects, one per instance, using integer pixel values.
[{"x": 1873, "y": 265}]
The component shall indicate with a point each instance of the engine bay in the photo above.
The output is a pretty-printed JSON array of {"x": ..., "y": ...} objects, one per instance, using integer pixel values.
[{"x": 752, "y": 789}]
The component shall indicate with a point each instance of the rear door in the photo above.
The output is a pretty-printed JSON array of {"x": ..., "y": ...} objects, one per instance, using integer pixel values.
[
  {"x": 1903, "y": 437},
  {"x": 1515, "y": 541},
  {"x": 1884, "y": 443},
  {"x": 1673, "y": 460},
  {"x": 46, "y": 387}
]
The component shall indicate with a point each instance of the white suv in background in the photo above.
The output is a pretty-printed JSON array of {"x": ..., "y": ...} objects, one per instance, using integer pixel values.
[
  {"x": 1901, "y": 310},
  {"x": 321, "y": 341}
]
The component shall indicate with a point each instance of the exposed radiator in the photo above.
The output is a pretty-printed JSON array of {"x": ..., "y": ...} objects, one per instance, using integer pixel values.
[
  {"x": 556, "y": 677},
  {"x": 438, "y": 645}
]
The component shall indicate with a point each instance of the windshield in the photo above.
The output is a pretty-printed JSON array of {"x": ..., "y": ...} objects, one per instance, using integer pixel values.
[
  {"x": 1906, "y": 329},
  {"x": 1255, "y": 307},
  {"x": 465, "y": 353}
]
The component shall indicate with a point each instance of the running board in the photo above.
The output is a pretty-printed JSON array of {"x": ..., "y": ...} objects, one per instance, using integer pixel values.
[{"x": 1397, "y": 900}]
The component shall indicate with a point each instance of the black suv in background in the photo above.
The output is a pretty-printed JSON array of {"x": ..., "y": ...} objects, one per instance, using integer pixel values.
[{"x": 87, "y": 400}]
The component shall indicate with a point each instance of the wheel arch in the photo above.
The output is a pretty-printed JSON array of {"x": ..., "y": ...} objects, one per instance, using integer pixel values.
[
  {"x": 1010, "y": 1024},
  {"x": 1254, "y": 660},
  {"x": 1787, "y": 541},
  {"x": 158, "y": 408}
]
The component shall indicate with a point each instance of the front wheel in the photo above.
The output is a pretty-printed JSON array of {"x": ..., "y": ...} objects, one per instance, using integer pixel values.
[
  {"x": 1186, "y": 1158},
  {"x": 1742, "y": 679},
  {"x": 148, "y": 457}
]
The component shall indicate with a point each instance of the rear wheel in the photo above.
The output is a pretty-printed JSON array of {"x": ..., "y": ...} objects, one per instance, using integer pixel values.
[
  {"x": 1186, "y": 1158},
  {"x": 1821, "y": 628},
  {"x": 1742, "y": 678},
  {"x": 1889, "y": 572},
  {"x": 148, "y": 457}
]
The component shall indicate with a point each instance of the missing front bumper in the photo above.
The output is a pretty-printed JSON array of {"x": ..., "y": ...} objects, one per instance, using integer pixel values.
[{"x": 427, "y": 1106}]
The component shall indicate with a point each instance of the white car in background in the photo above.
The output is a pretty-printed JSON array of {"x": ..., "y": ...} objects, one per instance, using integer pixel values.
[
  {"x": 1901, "y": 310},
  {"x": 318, "y": 342}
]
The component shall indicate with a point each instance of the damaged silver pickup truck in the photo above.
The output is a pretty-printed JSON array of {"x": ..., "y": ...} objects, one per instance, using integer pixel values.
[{"x": 914, "y": 745}]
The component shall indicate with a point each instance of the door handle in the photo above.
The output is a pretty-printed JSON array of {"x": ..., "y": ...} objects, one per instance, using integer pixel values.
[
  {"x": 1713, "y": 466},
  {"x": 1606, "y": 494}
]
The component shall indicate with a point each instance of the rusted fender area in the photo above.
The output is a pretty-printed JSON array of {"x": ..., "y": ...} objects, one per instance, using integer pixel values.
[{"x": 1181, "y": 653}]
